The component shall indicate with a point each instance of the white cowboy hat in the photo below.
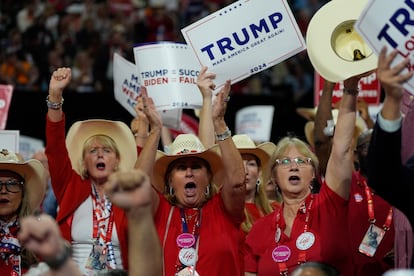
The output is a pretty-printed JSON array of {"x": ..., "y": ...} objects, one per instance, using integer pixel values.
[
  {"x": 184, "y": 145},
  {"x": 80, "y": 131},
  {"x": 332, "y": 41},
  {"x": 310, "y": 113},
  {"x": 245, "y": 145},
  {"x": 32, "y": 171}
]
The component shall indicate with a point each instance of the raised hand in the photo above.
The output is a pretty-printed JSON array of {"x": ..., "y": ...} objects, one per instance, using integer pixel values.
[
  {"x": 205, "y": 82},
  {"x": 139, "y": 124},
  {"x": 60, "y": 78},
  {"x": 221, "y": 101},
  {"x": 129, "y": 190},
  {"x": 154, "y": 117},
  {"x": 41, "y": 235},
  {"x": 392, "y": 77}
]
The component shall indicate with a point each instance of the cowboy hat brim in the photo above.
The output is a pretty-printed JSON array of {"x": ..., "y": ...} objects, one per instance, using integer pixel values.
[
  {"x": 360, "y": 126},
  {"x": 263, "y": 151},
  {"x": 163, "y": 160},
  {"x": 80, "y": 131},
  {"x": 331, "y": 41},
  {"x": 35, "y": 179}
]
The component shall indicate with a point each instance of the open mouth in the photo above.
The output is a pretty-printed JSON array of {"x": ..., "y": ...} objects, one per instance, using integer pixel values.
[
  {"x": 190, "y": 189},
  {"x": 294, "y": 179},
  {"x": 100, "y": 166},
  {"x": 4, "y": 200}
]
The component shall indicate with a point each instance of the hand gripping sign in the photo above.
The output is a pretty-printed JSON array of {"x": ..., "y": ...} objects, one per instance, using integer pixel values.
[{"x": 391, "y": 24}]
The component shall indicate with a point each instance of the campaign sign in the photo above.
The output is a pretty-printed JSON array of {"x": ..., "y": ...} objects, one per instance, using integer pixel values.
[
  {"x": 6, "y": 92},
  {"x": 244, "y": 38},
  {"x": 29, "y": 146},
  {"x": 126, "y": 83},
  {"x": 369, "y": 89},
  {"x": 169, "y": 71},
  {"x": 9, "y": 140},
  {"x": 126, "y": 89},
  {"x": 389, "y": 23},
  {"x": 255, "y": 121}
]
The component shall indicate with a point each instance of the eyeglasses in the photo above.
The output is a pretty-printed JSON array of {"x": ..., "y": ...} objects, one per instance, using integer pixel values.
[
  {"x": 12, "y": 186},
  {"x": 287, "y": 162}
]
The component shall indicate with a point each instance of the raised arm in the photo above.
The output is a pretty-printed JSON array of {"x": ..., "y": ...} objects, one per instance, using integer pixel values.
[
  {"x": 132, "y": 191},
  {"x": 322, "y": 131},
  {"x": 340, "y": 164},
  {"x": 384, "y": 154},
  {"x": 146, "y": 159},
  {"x": 233, "y": 188},
  {"x": 139, "y": 124},
  {"x": 59, "y": 80},
  {"x": 206, "y": 128}
]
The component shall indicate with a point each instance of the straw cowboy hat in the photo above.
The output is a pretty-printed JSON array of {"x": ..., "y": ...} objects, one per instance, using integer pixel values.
[
  {"x": 245, "y": 145},
  {"x": 80, "y": 131},
  {"x": 32, "y": 171},
  {"x": 184, "y": 145},
  {"x": 335, "y": 49},
  {"x": 310, "y": 113}
]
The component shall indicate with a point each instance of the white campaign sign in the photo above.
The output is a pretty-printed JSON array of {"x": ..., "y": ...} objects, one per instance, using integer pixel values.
[
  {"x": 169, "y": 71},
  {"x": 126, "y": 89},
  {"x": 255, "y": 121},
  {"x": 244, "y": 38},
  {"x": 10, "y": 140},
  {"x": 389, "y": 23}
]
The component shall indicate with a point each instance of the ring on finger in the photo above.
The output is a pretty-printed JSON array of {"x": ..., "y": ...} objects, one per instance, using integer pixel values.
[{"x": 227, "y": 99}]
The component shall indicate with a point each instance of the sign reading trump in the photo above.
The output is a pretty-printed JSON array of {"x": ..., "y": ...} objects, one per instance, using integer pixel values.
[
  {"x": 235, "y": 49},
  {"x": 390, "y": 24}
]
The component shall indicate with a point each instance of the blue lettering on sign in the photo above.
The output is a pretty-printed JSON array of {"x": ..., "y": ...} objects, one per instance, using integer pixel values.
[
  {"x": 400, "y": 19},
  {"x": 154, "y": 73},
  {"x": 225, "y": 44},
  {"x": 188, "y": 72}
]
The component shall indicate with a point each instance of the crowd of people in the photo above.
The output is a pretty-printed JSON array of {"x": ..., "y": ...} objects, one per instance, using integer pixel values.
[
  {"x": 39, "y": 36},
  {"x": 107, "y": 198},
  {"x": 199, "y": 207}
]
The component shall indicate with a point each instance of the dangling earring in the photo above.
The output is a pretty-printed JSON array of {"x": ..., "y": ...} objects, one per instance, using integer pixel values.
[
  {"x": 258, "y": 185},
  {"x": 207, "y": 192},
  {"x": 171, "y": 191}
]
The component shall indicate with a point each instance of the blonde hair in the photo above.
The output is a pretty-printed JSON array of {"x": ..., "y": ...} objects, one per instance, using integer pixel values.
[
  {"x": 260, "y": 199},
  {"x": 106, "y": 141},
  {"x": 287, "y": 142}
]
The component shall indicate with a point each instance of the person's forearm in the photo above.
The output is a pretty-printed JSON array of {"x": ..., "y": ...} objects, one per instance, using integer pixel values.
[
  {"x": 391, "y": 108},
  {"x": 145, "y": 256},
  {"x": 206, "y": 127}
]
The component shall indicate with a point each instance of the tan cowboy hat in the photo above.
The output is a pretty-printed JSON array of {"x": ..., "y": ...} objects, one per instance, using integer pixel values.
[
  {"x": 32, "y": 171},
  {"x": 335, "y": 49},
  {"x": 360, "y": 125},
  {"x": 307, "y": 112},
  {"x": 184, "y": 145},
  {"x": 80, "y": 131},
  {"x": 245, "y": 145}
]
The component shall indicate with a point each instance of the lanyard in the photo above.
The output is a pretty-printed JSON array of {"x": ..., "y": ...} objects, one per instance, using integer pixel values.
[
  {"x": 195, "y": 233},
  {"x": 370, "y": 206},
  {"x": 100, "y": 217},
  {"x": 278, "y": 234}
]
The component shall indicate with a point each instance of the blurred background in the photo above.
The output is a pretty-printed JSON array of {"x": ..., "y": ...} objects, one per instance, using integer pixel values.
[{"x": 36, "y": 37}]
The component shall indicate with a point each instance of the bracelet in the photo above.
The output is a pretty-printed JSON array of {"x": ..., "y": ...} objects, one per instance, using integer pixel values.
[
  {"x": 351, "y": 91},
  {"x": 140, "y": 136},
  {"x": 223, "y": 136},
  {"x": 60, "y": 259},
  {"x": 54, "y": 105}
]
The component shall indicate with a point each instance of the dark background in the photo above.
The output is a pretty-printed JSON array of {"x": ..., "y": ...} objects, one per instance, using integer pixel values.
[{"x": 28, "y": 110}]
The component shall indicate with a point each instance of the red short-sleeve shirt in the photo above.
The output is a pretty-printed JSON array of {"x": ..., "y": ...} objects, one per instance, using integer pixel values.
[{"x": 328, "y": 223}]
